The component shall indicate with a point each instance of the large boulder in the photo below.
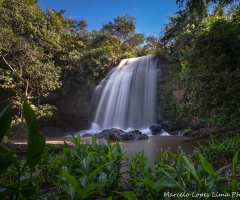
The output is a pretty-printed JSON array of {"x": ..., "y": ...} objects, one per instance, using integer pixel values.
[
  {"x": 170, "y": 126},
  {"x": 115, "y": 134},
  {"x": 156, "y": 129}
]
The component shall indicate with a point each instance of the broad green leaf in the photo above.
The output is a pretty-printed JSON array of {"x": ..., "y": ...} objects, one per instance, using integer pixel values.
[
  {"x": 5, "y": 159},
  {"x": 14, "y": 187},
  {"x": 95, "y": 171},
  {"x": 70, "y": 179},
  {"x": 28, "y": 192},
  {"x": 35, "y": 149},
  {"x": 87, "y": 189},
  {"x": 110, "y": 156},
  {"x": 164, "y": 182},
  {"x": 173, "y": 155},
  {"x": 207, "y": 166},
  {"x": 234, "y": 185},
  {"x": 172, "y": 178},
  {"x": 31, "y": 120},
  {"x": 5, "y": 193},
  {"x": 86, "y": 196},
  {"x": 108, "y": 142},
  {"x": 149, "y": 182},
  {"x": 15, "y": 162},
  {"x": 191, "y": 168},
  {"x": 128, "y": 194},
  {"x": 112, "y": 179},
  {"x": 221, "y": 169},
  {"x": 78, "y": 139},
  {"x": 210, "y": 185},
  {"x": 3, "y": 150},
  {"x": 115, "y": 145},
  {"x": 5, "y": 120},
  {"x": 179, "y": 165},
  {"x": 235, "y": 164},
  {"x": 84, "y": 181}
]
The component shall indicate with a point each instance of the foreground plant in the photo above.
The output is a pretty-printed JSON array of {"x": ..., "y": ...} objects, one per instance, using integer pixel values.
[
  {"x": 23, "y": 185},
  {"x": 220, "y": 149},
  {"x": 102, "y": 171},
  {"x": 86, "y": 170},
  {"x": 183, "y": 178}
]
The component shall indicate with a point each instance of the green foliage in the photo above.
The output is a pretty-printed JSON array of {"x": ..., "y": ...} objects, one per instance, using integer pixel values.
[
  {"x": 87, "y": 170},
  {"x": 42, "y": 50},
  {"x": 204, "y": 54},
  {"x": 225, "y": 148},
  {"x": 45, "y": 114},
  {"x": 18, "y": 129},
  {"x": 211, "y": 70},
  {"x": 5, "y": 120},
  {"x": 200, "y": 7},
  {"x": 22, "y": 185},
  {"x": 187, "y": 131},
  {"x": 95, "y": 63},
  {"x": 39, "y": 50},
  {"x": 181, "y": 176},
  {"x": 123, "y": 28},
  {"x": 170, "y": 105}
]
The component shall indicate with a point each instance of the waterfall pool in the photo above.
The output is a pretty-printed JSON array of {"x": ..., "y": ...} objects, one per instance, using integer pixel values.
[{"x": 151, "y": 146}]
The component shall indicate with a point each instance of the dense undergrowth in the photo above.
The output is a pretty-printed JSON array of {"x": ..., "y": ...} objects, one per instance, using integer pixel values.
[{"x": 104, "y": 171}]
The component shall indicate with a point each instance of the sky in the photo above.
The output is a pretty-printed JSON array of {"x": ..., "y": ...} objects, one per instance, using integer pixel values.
[{"x": 151, "y": 15}]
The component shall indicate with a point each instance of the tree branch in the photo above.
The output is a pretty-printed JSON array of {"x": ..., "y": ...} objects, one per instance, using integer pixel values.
[
  {"x": 210, "y": 133},
  {"x": 15, "y": 71}
]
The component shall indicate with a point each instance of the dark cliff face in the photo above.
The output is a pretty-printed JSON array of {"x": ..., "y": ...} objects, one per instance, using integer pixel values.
[
  {"x": 171, "y": 91},
  {"x": 72, "y": 108}
]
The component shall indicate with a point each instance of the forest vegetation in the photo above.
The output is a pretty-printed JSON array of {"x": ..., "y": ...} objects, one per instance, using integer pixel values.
[{"x": 44, "y": 51}]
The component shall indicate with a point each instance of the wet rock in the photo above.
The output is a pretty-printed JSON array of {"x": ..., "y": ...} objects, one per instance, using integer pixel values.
[
  {"x": 135, "y": 135},
  {"x": 109, "y": 132},
  {"x": 86, "y": 135},
  {"x": 170, "y": 126},
  {"x": 176, "y": 133},
  {"x": 115, "y": 134},
  {"x": 156, "y": 129}
]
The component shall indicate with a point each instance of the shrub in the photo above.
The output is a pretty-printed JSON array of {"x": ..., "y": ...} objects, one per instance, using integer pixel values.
[{"x": 217, "y": 149}]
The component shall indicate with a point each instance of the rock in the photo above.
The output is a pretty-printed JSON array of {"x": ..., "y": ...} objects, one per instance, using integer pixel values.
[
  {"x": 156, "y": 129},
  {"x": 86, "y": 135},
  {"x": 135, "y": 135},
  {"x": 115, "y": 134},
  {"x": 176, "y": 133},
  {"x": 109, "y": 132},
  {"x": 170, "y": 126}
]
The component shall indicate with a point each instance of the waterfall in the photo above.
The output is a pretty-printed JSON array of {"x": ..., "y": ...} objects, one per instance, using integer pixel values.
[{"x": 126, "y": 98}]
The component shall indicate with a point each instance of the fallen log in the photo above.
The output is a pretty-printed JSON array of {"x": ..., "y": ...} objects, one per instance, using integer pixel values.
[{"x": 209, "y": 133}]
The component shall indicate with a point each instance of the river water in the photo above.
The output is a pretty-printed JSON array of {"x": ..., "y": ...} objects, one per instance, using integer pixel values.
[{"x": 151, "y": 146}]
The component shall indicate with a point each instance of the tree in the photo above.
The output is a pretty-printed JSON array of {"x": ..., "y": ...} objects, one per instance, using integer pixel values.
[
  {"x": 123, "y": 29},
  {"x": 198, "y": 6},
  {"x": 39, "y": 50},
  {"x": 211, "y": 68},
  {"x": 23, "y": 61}
]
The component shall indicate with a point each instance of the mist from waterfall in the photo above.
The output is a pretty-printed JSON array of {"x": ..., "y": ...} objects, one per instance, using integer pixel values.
[{"x": 126, "y": 98}]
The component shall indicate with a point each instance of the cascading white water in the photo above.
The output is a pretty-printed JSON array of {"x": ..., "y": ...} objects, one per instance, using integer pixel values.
[{"x": 126, "y": 98}]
